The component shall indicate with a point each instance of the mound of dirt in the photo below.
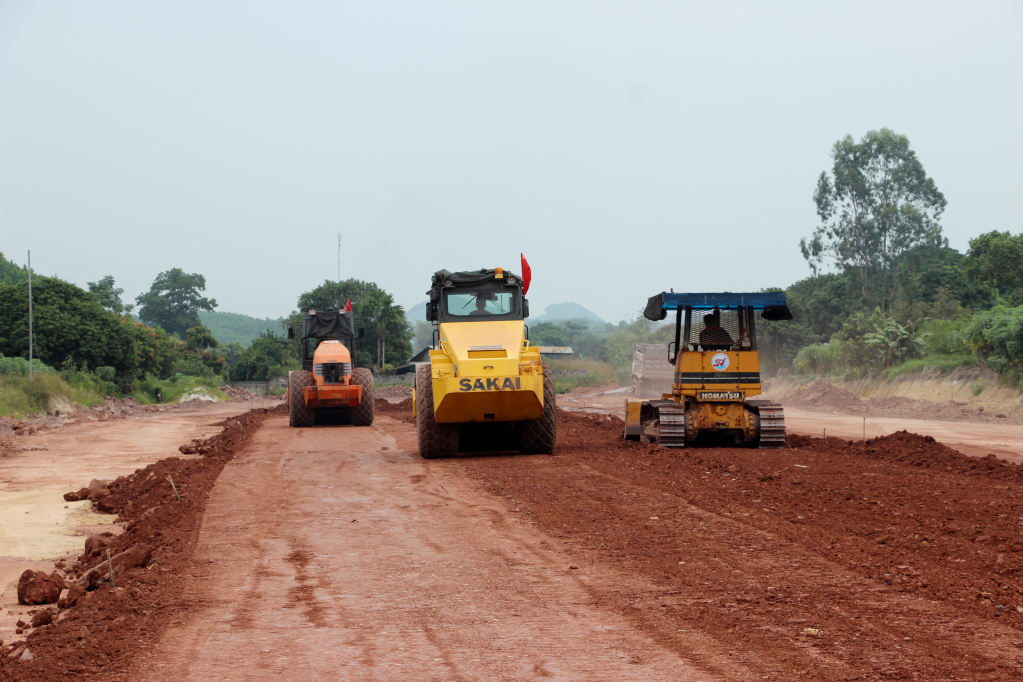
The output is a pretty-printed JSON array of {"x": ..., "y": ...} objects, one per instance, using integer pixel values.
[
  {"x": 95, "y": 632},
  {"x": 401, "y": 411},
  {"x": 821, "y": 396},
  {"x": 394, "y": 394}
]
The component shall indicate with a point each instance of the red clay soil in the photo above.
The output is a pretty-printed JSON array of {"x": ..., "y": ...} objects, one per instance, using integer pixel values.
[
  {"x": 898, "y": 558},
  {"x": 830, "y": 559},
  {"x": 96, "y": 638}
]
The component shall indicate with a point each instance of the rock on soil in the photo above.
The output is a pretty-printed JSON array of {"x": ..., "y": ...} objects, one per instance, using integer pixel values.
[
  {"x": 37, "y": 587},
  {"x": 197, "y": 394}
]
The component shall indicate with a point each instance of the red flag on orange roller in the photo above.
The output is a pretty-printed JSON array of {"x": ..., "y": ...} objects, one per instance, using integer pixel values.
[{"x": 526, "y": 275}]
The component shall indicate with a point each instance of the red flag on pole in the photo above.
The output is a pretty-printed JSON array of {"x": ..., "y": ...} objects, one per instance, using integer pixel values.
[
  {"x": 348, "y": 305},
  {"x": 526, "y": 275}
]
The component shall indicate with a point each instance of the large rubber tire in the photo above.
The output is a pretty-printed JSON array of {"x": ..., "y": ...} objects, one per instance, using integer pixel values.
[
  {"x": 435, "y": 440},
  {"x": 363, "y": 414},
  {"x": 298, "y": 413},
  {"x": 538, "y": 437}
]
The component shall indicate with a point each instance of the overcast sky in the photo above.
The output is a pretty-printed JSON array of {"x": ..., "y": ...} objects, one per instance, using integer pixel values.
[{"x": 625, "y": 148}]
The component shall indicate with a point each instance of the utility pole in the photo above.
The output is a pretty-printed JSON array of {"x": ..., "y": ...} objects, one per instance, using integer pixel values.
[
  {"x": 339, "y": 257},
  {"x": 30, "y": 315}
]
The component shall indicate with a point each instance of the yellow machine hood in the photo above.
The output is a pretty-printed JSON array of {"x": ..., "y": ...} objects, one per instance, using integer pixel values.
[{"x": 499, "y": 339}]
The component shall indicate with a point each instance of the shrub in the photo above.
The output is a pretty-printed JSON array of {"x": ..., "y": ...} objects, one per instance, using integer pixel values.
[
  {"x": 819, "y": 359},
  {"x": 105, "y": 373},
  {"x": 18, "y": 367}
]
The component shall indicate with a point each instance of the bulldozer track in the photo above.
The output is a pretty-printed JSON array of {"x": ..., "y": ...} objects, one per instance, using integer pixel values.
[
  {"x": 671, "y": 426},
  {"x": 772, "y": 425}
]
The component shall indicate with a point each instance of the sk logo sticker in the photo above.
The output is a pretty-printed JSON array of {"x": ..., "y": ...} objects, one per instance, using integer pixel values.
[{"x": 720, "y": 362}]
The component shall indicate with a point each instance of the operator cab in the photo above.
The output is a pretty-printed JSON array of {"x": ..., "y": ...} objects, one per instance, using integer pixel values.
[
  {"x": 723, "y": 322},
  {"x": 486, "y": 295}
]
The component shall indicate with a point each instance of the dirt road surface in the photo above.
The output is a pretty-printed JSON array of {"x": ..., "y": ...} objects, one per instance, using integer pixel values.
[{"x": 337, "y": 553}]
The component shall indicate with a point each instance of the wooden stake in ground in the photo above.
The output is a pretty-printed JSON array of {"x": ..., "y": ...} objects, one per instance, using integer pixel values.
[
  {"x": 174, "y": 487},
  {"x": 864, "y": 433}
]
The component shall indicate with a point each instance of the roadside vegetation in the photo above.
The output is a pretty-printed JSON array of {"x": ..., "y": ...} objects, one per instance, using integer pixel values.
[
  {"x": 900, "y": 300},
  {"x": 88, "y": 345},
  {"x": 591, "y": 373}
]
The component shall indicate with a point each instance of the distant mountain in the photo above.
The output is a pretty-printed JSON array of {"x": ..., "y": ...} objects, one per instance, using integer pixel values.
[
  {"x": 228, "y": 327},
  {"x": 416, "y": 313},
  {"x": 567, "y": 311}
]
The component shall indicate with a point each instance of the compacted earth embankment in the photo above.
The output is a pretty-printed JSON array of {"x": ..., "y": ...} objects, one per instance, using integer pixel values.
[{"x": 120, "y": 592}]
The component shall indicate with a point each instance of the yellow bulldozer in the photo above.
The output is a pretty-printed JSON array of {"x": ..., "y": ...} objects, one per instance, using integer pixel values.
[
  {"x": 717, "y": 373},
  {"x": 484, "y": 377},
  {"x": 327, "y": 382}
]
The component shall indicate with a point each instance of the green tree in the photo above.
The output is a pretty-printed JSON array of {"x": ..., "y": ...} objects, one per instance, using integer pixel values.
[
  {"x": 232, "y": 354},
  {"x": 996, "y": 258},
  {"x": 199, "y": 356},
  {"x": 12, "y": 273},
  {"x": 368, "y": 314},
  {"x": 779, "y": 342},
  {"x": 877, "y": 204},
  {"x": 109, "y": 296},
  {"x": 380, "y": 311},
  {"x": 895, "y": 342},
  {"x": 174, "y": 301},
  {"x": 69, "y": 325},
  {"x": 200, "y": 339},
  {"x": 547, "y": 334},
  {"x": 268, "y": 356}
]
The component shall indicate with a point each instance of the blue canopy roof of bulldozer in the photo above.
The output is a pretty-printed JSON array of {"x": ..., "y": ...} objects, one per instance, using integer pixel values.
[{"x": 773, "y": 304}]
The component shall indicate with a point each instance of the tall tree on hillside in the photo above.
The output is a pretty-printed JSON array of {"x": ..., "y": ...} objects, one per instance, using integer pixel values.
[
  {"x": 109, "y": 296},
  {"x": 174, "y": 301},
  {"x": 385, "y": 326},
  {"x": 878, "y": 204}
]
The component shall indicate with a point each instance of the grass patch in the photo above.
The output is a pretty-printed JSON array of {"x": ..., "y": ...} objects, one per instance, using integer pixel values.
[
  {"x": 597, "y": 374},
  {"x": 942, "y": 363},
  {"x": 175, "y": 387},
  {"x": 20, "y": 397}
]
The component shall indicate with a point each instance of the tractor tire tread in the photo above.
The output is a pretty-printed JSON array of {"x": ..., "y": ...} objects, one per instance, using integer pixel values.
[
  {"x": 537, "y": 437},
  {"x": 435, "y": 440},
  {"x": 363, "y": 413},
  {"x": 299, "y": 414}
]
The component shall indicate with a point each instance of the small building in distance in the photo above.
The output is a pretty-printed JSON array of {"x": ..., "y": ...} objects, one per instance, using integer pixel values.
[
  {"x": 557, "y": 352},
  {"x": 419, "y": 358}
]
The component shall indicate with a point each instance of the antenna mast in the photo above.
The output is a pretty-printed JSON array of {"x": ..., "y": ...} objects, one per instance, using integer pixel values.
[
  {"x": 339, "y": 257},
  {"x": 30, "y": 315}
]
